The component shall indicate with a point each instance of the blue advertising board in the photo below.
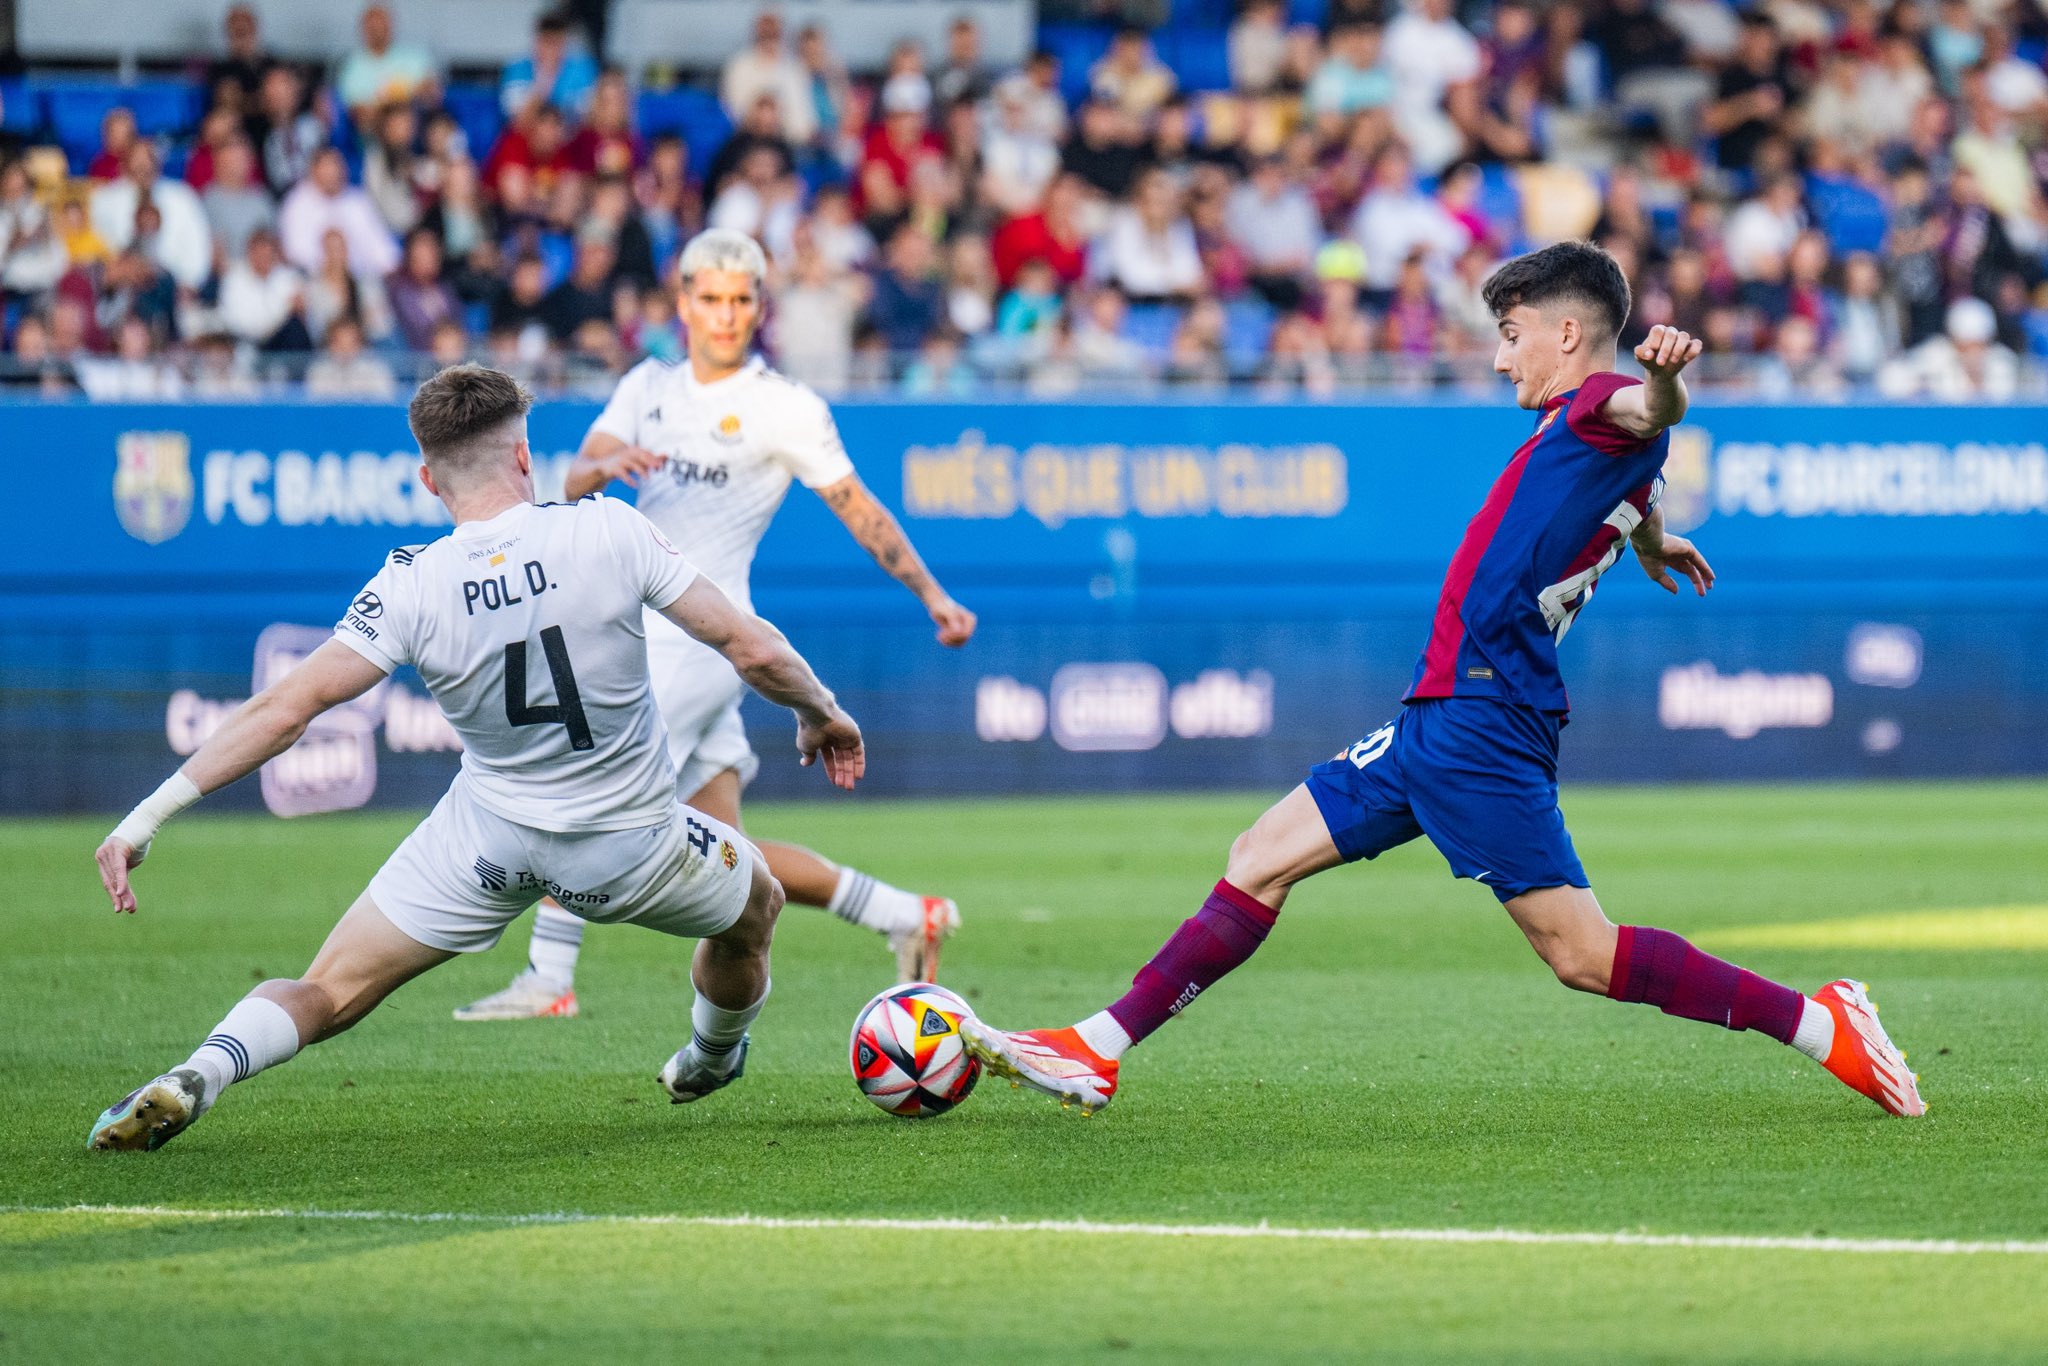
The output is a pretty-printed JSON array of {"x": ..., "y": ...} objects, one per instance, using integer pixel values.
[{"x": 1172, "y": 594}]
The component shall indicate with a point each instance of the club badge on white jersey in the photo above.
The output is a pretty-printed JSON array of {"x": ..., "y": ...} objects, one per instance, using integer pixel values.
[
  {"x": 529, "y": 630},
  {"x": 732, "y": 448}
]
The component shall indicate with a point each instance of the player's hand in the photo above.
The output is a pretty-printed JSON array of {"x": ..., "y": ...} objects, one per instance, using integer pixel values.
[
  {"x": 1667, "y": 350},
  {"x": 115, "y": 857},
  {"x": 1679, "y": 554},
  {"x": 956, "y": 624},
  {"x": 630, "y": 465},
  {"x": 838, "y": 743}
]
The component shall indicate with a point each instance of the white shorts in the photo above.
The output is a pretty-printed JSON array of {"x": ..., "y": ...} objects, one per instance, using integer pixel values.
[
  {"x": 699, "y": 695},
  {"x": 465, "y": 873}
]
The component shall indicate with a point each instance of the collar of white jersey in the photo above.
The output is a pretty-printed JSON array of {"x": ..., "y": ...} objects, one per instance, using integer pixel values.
[
  {"x": 754, "y": 366},
  {"x": 493, "y": 524}
]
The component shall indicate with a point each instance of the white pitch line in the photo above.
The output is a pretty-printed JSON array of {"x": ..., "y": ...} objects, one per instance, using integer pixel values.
[{"x": 1938, "y": 1247}]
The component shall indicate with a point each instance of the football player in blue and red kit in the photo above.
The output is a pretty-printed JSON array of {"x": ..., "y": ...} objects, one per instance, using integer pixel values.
[{"x": 1471, "y": 761}]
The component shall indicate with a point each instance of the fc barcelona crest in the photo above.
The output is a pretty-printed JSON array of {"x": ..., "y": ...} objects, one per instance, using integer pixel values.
[{"x": 153, "y": 484}]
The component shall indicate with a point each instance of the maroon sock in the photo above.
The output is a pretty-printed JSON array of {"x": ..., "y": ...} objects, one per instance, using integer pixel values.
[
  {"x": 1664, "y": 970},
  {"x": 1227, "y": 930}
]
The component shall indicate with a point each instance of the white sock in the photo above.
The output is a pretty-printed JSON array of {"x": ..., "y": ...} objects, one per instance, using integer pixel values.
[
  {"x": 1815, "y": 1036},
  {"x": 1102, "y": 1033},
  {"x": 715, "y": 1032},
  {"x": 256, "y": 1034},
  {"x": 557, "y": 939},
  {"x": 873, "y": 904}
]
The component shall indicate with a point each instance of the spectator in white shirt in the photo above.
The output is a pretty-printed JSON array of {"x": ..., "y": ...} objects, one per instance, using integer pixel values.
[
  {"x": 183, "y": 245},
  {"x": 343, "y": 369},
  {"x": 32, "y": 255},
  {"x": 1762, "y": 230},
  {"x": 2017, "y": 86},
  {"x": 1965, "y": 361},
  {"x": 1431, "y": 57},
  {"x": 134, "y": 371},
  {"x": 1275, "y": 221},
  {"x": 381, "y": 71},
  {"x": 324, "y": 200},
  {"x": 765, "y": 67},
  {"x": 1395, "y": 220},
  {"x": 263, "y": 300},
  {"x": 1257, "y": 47},
  {"x": 1017, "y": 160},
  {"x": 1037, "y": 88},
  {"x": 1149, "y": 250}
]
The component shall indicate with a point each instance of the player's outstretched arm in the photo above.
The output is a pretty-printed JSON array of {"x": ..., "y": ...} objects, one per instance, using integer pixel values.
[
  {"x": 605, "y": 458},
  {"x": 882, "y": 537},
  {"x": 1660, "y": 401},
  {"x": 260, "y": 729},
  {"x": 1659, "y": 553},
  {"x": 770, "y": 665}
]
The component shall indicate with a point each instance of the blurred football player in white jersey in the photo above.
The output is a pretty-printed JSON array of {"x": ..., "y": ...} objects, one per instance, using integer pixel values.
[
  {"x": 527, "y": 622},
  {"x": 712, "y": 445}
]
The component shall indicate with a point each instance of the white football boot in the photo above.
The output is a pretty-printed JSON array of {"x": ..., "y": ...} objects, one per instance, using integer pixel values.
[
  {"x": 689, "y": 1075},
  {"x": 917, "y": 946},
  {"x": 530, "y": 997}
]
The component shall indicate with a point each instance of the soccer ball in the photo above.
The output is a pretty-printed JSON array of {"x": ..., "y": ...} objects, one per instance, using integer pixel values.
[{"x": 907, "y": 1054}]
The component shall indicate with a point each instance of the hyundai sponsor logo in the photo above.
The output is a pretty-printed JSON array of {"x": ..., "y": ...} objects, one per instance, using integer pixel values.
[
  {"x": 1881, "y": 656},
  {"x": 1108, "y": 707},
  {"x": 1700, "y": 697}
]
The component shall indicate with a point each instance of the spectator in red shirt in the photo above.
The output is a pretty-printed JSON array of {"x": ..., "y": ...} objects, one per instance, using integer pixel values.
[
  {"x": 607, "y": 144},
  {"x": 1052, "y": 235},
  {"x": 117, "y": 135},
  {"x": 902, "y": 138},
  {"x": 541, "y": 149}
]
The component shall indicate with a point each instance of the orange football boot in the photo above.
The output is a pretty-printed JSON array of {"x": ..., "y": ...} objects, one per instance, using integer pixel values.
[
  {"x": 1054, "y": 1061},
  {"x": 1863, "y": 1056}
]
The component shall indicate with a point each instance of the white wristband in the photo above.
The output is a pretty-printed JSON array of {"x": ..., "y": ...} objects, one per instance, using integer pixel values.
[{"x": 141, "y": 824}]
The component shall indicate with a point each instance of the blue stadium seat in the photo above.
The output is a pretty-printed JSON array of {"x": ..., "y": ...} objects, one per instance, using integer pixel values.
[
  {"x": 1308, "y": 12},
  {"x": 1194, "y": 14},
  {"x": 1852, "y": 214},
  {"x": 21, "y": 109},
  {"x": 1079, "y": 47},
  {"x": 1199, "y": 57},
  {"x": 696, "y": 114},
  {"x": 1247, "y": 324},
  {"x": 1500, "y": 199},
  {"x": 476, "y": 108},
  {"x": 476, "y": 318},
  {"x": 1152, "y": 326},
  {"x": 75, "y": 108}
]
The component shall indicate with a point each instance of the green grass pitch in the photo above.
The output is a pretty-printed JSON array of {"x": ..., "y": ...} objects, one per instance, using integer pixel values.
[{"x": 1395, "y": 1058}]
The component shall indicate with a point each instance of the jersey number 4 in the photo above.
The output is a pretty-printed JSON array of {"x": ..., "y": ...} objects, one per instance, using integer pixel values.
[{"x": 567, "y": 710}]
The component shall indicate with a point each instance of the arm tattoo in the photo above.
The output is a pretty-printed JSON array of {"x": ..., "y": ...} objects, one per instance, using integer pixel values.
[{"x": 878, "y": 533}]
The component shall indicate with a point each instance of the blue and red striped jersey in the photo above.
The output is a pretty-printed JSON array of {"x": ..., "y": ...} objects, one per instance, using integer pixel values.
[{"x": 1558, "y": 518}]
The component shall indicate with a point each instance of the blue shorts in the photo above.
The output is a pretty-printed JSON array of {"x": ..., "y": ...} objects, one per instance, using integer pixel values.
[{"x": 1479, "y": 777}]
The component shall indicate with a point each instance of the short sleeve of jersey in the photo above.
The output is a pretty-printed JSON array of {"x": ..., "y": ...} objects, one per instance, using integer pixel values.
[
  {"x": 621, "y": 416},
  {"x": 378, "y": 623},
  {"x": 655, "y": 569},
  {"x": 807, "y": 441},
  {"x": 1592, "y": 426}
]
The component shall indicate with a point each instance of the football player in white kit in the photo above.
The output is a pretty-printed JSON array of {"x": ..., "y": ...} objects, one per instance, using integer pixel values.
[
  {"x": 712, "y": 445},
  {"x": 527, "y": 623}
]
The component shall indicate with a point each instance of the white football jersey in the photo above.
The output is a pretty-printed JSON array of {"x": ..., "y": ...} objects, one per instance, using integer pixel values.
[
  {"x": 529, "y": 631},
  {"x": 732, "y": 448}
]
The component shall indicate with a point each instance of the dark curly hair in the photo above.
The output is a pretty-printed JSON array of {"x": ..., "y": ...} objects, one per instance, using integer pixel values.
[{"x": 1567, "y": 272}]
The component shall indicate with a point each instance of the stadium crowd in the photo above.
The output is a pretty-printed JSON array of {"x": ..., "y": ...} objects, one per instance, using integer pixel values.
[{"x": 1836, "y": 194}]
